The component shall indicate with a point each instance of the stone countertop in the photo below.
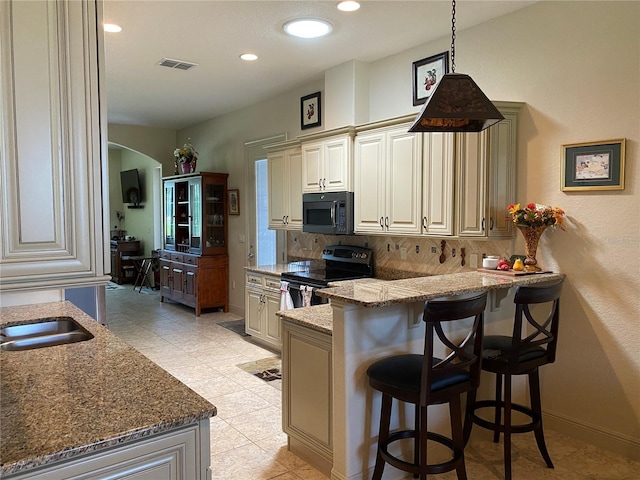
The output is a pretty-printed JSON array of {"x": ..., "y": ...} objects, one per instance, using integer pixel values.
[
  {"x": 380, "y": 293},
  {"x": 317, "y": 317},
  {"x": 62, "y": 401},
  {"x": 281, "y": 268}
]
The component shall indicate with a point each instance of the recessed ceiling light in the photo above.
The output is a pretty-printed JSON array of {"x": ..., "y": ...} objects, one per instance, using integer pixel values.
[
  {"x": 112, "y": 28},
  {"x": 348, "y": 6},
  {"x": 307, "y": 28},
  {"x": 249, "y": 57}
]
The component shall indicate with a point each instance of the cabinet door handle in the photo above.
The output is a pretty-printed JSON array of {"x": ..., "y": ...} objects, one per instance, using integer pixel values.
[
  {"x": 424, "y": 223},
  {"x": 324, "y": 183},
  {"x": 490, "y": 223},
  {"x": 287, "y": 219},
  {"x": 320, "y": 183},
  {"x": 386, "y": 222},
  {"x": 381, "y": 224},
  {"x": 283, "y": 222},
  {"x": 483, "y": 224}
]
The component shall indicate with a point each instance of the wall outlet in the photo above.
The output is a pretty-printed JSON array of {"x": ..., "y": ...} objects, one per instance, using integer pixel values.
[
  {"x": 434, "y": 250},
  {"x": 241, "y": 238},
  {"x": 473, "y": 260},
  {"x": 233, "y": 284},
  {"x": 403, "y": 253}
]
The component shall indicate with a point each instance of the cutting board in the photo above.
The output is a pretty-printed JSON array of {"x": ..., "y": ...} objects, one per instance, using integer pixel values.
[{"x": 510, "y": 273}]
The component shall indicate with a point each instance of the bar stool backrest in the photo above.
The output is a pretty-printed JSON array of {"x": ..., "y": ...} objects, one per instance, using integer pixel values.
[
  {"x": 544, "y": 336},
  {"x": 464, "y": 359}
]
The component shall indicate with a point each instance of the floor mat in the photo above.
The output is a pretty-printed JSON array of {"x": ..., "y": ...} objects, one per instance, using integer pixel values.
[
  {"x": 236, "y": 326},
  {"x": 268, "y": 369},
  {"x": 113, "y": 286}
]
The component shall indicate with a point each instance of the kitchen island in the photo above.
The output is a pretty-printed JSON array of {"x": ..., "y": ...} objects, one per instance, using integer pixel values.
[
  {"x": 95, "y": 408},
  {"x": 372, "y": 319}
]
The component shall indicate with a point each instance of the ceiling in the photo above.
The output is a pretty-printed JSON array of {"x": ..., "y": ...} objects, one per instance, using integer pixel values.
[{"x": 214, "y": 33}]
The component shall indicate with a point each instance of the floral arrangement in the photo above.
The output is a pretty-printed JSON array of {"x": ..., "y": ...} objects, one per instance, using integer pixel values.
[
  {"x": 186, "y": 154},
  {"x": 536, "y": 215}
]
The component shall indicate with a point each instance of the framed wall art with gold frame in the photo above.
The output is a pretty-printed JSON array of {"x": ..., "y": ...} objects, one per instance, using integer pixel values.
[{"x": 593, "y": 166}]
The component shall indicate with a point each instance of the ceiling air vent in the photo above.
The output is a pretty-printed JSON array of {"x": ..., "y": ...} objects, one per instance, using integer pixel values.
[{"x": 177, "y": 64}]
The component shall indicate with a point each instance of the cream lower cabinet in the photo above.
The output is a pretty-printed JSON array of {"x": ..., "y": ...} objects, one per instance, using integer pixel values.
[
  {"x": 307, "y": 394},
  {"x": 486, "y": 169},
  {"x": 54, "y": 220},
  {"x": 179, "y": 454},
  {"x": 327, "y": 161},
  {"x": 262, "y": 301},
  {"x": 388, "y": 181},
  {"x": 285, "y": 186}
]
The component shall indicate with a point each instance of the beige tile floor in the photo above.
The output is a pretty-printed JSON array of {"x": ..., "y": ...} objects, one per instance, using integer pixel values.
[{"x": 247, "y": 442}]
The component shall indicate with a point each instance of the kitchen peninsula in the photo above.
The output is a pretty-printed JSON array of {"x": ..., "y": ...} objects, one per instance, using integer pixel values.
[
  {"x": 366, "y": 320},
  {"x": 95, "y": 408}
]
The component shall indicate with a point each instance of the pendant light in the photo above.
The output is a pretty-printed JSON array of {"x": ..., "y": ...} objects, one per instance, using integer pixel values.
[{"x": 457, "y": 104}]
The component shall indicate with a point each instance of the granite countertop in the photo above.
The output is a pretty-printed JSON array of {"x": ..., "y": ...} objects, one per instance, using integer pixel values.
[
  {"x": 62, "y": 401},
  {"x": 317, "y": 317},
  {"x": 280, "y": 268},
  {"x": 373, "y": 292}
]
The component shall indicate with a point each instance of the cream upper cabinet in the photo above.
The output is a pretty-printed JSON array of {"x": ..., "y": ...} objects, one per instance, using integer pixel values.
[
  {"x": 285, "y": 186},
  {"x": 486, "y": 167},
  {"x": 438, "y": 161},
  {"x": 388, "y": 173},
  {"x": 327, "y": 161},
  {"x": 54, "y": 170}
]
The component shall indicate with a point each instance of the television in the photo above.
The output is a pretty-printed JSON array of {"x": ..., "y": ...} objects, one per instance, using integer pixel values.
[{"x": 131, "y": 192}]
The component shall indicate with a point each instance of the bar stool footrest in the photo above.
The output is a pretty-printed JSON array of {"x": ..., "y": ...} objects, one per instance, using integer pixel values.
[
  {"x": 435, "y": 468},
  {"x": 519, "y": 428}
]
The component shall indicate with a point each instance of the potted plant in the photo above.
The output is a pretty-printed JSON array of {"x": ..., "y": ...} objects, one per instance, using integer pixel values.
[
  {"x": 532, "y": 220},
  {"x": 186, "y": 158}
]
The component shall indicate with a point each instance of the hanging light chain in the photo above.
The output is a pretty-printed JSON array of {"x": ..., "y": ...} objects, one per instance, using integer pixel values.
[{"x": 453, "y": 36}]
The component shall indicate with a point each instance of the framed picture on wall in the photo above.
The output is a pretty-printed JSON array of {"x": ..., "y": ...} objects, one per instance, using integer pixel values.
[
  {"x": 234, "y": 202},
  {"x": 310, "y": 111},
  {"x": 426, "y": 75},
  {"x": 593, "y": 166}
]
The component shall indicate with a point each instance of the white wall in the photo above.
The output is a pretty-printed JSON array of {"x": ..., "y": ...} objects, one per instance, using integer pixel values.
[{"x": 576, "y": 65}]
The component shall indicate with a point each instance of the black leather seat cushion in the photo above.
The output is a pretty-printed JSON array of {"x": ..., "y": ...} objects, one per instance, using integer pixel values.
[
  {"x": 498, "y": 347},
  {"x": 405, "y": 372}
]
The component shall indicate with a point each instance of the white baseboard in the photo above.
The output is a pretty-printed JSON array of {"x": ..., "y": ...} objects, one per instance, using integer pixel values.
[{"x": 612, "y": 441}]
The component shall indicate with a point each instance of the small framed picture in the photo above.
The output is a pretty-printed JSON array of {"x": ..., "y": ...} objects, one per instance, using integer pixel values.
[
  {"x": 234, "y": 202},
  {"x": 426, "y": 75},
  {"x": 593, "y": 166},
  {"x": 310, "y": 111}
]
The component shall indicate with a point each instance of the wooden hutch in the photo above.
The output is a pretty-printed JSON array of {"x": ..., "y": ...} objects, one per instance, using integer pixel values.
[{"x": 194, "y": 263}]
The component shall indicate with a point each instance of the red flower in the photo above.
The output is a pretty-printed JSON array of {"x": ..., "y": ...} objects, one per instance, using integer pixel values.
[{"x": 531, "y": 206}]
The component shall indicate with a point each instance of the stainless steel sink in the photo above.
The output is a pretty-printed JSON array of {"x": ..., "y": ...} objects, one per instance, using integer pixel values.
[{"x": 44, "y": 332}]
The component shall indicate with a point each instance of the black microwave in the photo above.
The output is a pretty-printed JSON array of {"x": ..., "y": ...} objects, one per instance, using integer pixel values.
[{"x": 330, "y": 213}]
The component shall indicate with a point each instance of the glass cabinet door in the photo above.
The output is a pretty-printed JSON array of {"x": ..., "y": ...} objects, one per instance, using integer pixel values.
[
  {"x": 195, "y": 215},
  {"x": 183, "y": 224},
  {"x": 169, "y": 216},
  {"x": 215, "y": 216}
]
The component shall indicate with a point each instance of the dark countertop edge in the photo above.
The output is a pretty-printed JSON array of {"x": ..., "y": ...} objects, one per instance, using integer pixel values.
[
  {"x": 75, "y": 452},
  {"x": 408, "y": 293}
]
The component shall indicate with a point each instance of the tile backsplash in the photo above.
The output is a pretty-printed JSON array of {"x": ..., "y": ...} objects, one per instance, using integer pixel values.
[{"x": 392, "y": 254}]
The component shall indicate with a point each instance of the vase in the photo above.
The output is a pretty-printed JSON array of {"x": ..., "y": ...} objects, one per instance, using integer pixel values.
[
  {"x": 186, "y": 167},
  {"x": 531, "y": 237}
]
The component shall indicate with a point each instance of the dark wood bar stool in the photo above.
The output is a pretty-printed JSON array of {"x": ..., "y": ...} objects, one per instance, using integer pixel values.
[
  {"x": 519, "y": 355},
  {"x": 424, "y": 380}
]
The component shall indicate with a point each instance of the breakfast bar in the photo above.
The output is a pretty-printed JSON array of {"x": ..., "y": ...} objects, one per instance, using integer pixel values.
[{"x": 369, "y": 319}]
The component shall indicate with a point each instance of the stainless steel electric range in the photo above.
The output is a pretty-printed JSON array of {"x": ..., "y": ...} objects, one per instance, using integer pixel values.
[{"x": 342, "y": 262}]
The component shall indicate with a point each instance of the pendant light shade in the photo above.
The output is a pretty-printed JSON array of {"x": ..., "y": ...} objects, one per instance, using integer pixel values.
[{"x": 456, "y": 105}]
